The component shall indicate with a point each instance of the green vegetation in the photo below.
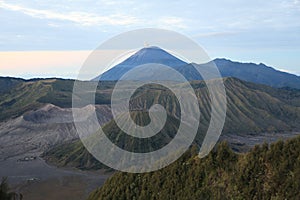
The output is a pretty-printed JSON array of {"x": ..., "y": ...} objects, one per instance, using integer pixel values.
[
  {"x": 73, "y": 154},
  {"x": 60, "y": 93},
  {"x": 7, "y": 83},
  {"x": 25, "y": 96},
  {"x": 266, "y": 172},
  {"x": 6, "y": 193},
  {"x": 22, "y": 98},
  {"x": 252, "y": 107}
]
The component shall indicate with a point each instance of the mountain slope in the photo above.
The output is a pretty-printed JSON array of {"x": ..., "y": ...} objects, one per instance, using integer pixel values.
[
  {"x": 250, "y": 107},
  {"x": 252, "y": 110},
  {"x": 144, "y": 56},
  {"x": 41, "y": 129},
  {"x": 75, "y": 154},
  {"x": 7, "y": 83},
  {"x": 260, "y": 73},
  {"x": 255, "y": 105},
  {"x": 36, "y": 93},
  {"x": 24, "y": 97}
]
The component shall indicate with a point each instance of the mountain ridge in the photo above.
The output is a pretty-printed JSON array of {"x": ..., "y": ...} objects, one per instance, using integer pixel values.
[{"x": 256, "y": 73}]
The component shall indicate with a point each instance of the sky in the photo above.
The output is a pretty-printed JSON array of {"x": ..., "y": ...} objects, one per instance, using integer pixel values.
[{"x": 53, "y": 38}]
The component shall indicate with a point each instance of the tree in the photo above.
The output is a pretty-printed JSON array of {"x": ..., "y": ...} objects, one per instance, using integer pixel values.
[{"x": 5, "y": 193}]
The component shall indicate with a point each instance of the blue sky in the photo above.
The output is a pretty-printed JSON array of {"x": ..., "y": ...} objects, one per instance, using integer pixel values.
[{"x": 248, "y": 31}]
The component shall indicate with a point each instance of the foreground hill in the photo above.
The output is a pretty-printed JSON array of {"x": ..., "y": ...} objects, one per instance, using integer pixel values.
[{"x": 266, "y": 172}]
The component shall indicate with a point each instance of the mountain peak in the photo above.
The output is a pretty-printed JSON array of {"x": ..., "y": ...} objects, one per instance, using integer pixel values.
[
  {"x": 152, "y": 47},
  {"x": 221, "y": 59},
  {"x": 153, "y": 54},
  {"x": 146, "y": 55}
]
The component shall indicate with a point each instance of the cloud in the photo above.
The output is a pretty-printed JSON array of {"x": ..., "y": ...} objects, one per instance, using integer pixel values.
[
  {"x": 81, "y": 18},
  {"x": 172, "y": 22},
  {"x": 115, "y": 2},
  {"x": 214, "y": 34}
]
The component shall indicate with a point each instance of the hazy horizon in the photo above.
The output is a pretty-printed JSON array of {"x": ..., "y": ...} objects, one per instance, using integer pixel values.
[{"x": 69, "y": 71}]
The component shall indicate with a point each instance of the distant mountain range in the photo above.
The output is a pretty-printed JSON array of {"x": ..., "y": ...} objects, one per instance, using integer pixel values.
[
  {"x": 251, "y": 72},
  {"x": 260, "y": 73}
]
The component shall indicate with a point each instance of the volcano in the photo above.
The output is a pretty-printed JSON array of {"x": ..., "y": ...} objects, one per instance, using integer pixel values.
[{"x": 145, "y": 55}]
